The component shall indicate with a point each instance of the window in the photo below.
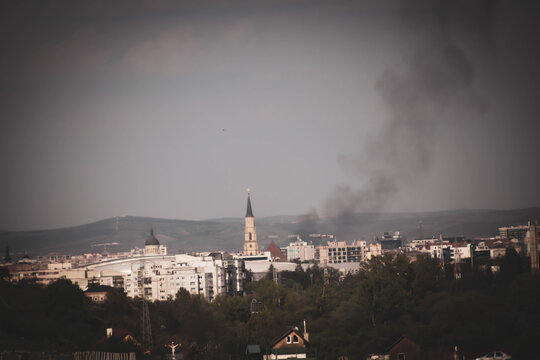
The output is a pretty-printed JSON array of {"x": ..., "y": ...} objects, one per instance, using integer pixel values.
[
  {"x": 295, "y": 339},
  {"x": 401, "y": 356},
  {"x": 288, "y": 339}
]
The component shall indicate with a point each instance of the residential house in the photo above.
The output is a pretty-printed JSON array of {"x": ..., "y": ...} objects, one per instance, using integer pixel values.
[
  {"x": 404, "y": 349},
  {"x": 292, "y": 344}
]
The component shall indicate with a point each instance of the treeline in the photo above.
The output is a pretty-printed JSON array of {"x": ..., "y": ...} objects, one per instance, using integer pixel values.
[{"x": 360, "y": 314}]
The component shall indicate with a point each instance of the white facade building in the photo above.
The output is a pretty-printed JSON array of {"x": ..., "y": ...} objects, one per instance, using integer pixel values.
[
  {"x": 160, "y": 277},
  {"x": 300, "y": 250}
]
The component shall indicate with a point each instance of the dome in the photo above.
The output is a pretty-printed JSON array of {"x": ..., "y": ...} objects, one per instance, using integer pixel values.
[{"x": 152, "y": 240}]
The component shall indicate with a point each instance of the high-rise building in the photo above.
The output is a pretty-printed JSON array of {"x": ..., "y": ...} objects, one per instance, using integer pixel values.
[
  {"x": 532, "y": 244},
  {"x": 514, "y": 232},
  {"x": 251, "y": 246},
  {"x": 337, "y": 252}
]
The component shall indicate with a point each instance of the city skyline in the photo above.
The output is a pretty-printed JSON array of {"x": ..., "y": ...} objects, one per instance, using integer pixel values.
[{"x": 172, "y": 110}]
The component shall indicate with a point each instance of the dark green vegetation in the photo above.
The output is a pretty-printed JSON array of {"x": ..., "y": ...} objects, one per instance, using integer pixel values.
[
  {"x": 357, "y": 315},
  {"x": 228, "y": 234}
]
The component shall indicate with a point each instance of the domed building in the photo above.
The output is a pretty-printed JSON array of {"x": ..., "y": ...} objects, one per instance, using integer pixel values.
[{"x": 152, "y": 246}]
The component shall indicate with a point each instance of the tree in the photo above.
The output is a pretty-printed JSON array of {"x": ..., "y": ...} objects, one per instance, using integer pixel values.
[
  {"x": 427, "y": 274},
  {"x": 64, "y": 302}
]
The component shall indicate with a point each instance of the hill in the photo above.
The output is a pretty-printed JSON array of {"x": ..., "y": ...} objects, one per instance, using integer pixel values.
[{"x": 227, "y": 234}]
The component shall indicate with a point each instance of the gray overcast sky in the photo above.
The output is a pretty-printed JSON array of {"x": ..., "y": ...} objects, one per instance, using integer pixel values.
[{"x": 172, "y": 109}]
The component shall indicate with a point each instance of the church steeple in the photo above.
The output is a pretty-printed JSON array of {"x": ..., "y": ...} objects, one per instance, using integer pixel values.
[
  {"x": 251, "y": 246},
  {"x": 249, "y": 212}
]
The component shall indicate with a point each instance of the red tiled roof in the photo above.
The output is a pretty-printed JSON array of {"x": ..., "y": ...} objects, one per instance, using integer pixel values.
[{"x": 276, "y": 252}]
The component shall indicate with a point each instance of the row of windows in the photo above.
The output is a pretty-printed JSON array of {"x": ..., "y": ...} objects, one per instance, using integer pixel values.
[{"x": 292, "y": 339}]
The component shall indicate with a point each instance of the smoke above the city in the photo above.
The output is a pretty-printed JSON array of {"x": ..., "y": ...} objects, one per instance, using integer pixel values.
[
  {"x": 168, "y": 109},
  {"x": 431, "y": 93}
]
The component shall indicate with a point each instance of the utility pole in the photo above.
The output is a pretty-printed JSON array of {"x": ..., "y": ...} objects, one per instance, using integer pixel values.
[
  {"x": 146, "y": 325},
  {"x": 533, "y": 247},
  {"x": 442, "y": 250},
  {"x": 325, "y": 274}
]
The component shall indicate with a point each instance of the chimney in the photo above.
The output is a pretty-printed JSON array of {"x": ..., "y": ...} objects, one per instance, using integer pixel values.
[
  {"x": 306, "y": 335},
  {"x": 109, "y": 333}
]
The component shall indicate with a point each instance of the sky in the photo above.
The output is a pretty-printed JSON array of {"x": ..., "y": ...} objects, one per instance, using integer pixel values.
[{"x": 174, "y": 108}]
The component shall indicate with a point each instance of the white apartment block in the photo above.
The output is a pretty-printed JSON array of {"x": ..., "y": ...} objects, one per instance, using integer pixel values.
[
  {"x": 450, "y": 251},
  {"x": 208, "y": 275},
  {"x": 81, "y": 277},
  {"x": 300, "y": 250}
]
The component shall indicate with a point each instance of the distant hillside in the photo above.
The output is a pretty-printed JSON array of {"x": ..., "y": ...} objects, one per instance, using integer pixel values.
[{"x": 227, "y": 234}]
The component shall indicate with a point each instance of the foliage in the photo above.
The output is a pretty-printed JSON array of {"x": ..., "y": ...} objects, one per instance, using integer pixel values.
[{"x": 357, "y": 315}]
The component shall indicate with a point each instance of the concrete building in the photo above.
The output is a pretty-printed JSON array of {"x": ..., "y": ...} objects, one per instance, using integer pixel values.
[
  {"x": 336, "y": 252},
  {"x": 160, "y": 277},
  {"x": 514, "y": 232},
  {"x": 81, "y": 277},
  {"x": 390, "y": 241},
  {"x": 532, "y": 246},
  {"x": 300, "y": 250},
  {"x": 373, "y": 249}
]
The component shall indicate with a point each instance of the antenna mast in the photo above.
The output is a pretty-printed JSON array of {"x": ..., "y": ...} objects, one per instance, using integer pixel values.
[
  {"x": 325, "y": 274},
  {"x": 146, "y": 325}
]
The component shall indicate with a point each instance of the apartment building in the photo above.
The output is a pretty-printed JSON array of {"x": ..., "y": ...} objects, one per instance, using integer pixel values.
[
  {"x": 337, "y": 252},
  {"x": 300, "y": 250}
]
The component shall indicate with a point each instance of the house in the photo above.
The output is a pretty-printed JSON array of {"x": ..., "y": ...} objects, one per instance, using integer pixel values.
[
  {"x": 97, "y": 293},
  {"x": 403, "y": 349},
  {"x": 292, "y": 344},
  {"x": 118, "y": 337}
]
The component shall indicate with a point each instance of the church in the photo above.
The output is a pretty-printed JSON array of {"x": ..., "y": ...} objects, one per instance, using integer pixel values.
[
  {"x": 152, "y": 246},
  {"x": 251, "y": 246}
]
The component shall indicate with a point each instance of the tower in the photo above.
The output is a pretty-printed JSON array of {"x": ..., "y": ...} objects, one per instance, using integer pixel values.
[
  {"x": 251, "y": 247},
  {"x": 146, "y": 324},
  {"x": 532, "y": 238}
]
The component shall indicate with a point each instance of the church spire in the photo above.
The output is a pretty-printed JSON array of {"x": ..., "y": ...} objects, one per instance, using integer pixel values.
[
  {"x": 251, "y": 247},
  {"x": 249, "y": 212}
]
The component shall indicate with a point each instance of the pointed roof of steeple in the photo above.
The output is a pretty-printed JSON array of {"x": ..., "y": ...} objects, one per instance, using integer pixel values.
[{"x": 249, "y": 212}]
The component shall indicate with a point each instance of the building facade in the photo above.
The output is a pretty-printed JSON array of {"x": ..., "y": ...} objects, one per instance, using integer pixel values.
[
  {"x": 337, "y": 252},
  {"x": 300, "y": 250}
]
